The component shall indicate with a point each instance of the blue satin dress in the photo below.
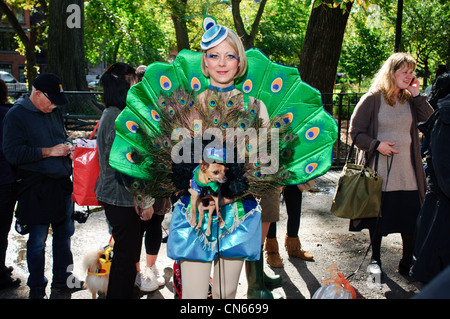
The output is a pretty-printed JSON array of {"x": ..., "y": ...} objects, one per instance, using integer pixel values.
[{"x": 239, "y": 238}]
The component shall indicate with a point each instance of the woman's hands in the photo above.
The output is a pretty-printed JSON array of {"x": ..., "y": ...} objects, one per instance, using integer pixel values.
[
  {"x": 386, "y": 148},
  {"x": 144, "y": 208},
  {"x": 144, "y": 214},
  {"x": 414, "y": 87}
]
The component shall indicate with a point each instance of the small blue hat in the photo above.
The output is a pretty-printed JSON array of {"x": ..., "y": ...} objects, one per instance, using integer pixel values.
[
  {"x": 213, "y": 36},
  {"x": 217, "y": 154}
]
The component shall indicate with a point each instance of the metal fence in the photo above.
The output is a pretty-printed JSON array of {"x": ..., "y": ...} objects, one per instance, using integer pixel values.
[
  {"x": 79, "y": 117},
  {"x": 341, "y": 108}
]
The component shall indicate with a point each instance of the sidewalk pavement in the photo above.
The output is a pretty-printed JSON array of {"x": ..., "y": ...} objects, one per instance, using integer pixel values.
[{"x": 322, "y": 234}]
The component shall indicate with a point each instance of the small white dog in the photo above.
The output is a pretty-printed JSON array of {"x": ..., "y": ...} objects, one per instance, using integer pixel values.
[{"x": 97, "y": 265}]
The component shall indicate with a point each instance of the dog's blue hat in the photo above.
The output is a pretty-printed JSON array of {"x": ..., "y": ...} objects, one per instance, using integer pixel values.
[
  {"x": 219, "y": 155},
  {"x": 214, "y": 34}
]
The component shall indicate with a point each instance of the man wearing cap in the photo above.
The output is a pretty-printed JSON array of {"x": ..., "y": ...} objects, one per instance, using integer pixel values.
[{"x": 34, "y": 140}]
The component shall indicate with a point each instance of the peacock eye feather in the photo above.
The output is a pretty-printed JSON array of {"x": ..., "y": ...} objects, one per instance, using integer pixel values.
[
  {"x": 312, "y": 133},
  {"x": 276, "y": 85},
  {"x": 155, "y": 115},
  {"x": 247, "y": 86},
  {"x": 166, "y": 103},
  {"x": 288, "y": 118},
  {"x": 310, "y": 168},
  {"x": 165, "y": 83},
  {"x": 135, "y": 185},
  {"x": 132, "y": 126},
  {"x": 195, "y": 84}
]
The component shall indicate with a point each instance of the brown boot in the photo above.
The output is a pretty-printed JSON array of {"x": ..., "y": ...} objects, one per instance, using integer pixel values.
[
  {"x": 294, "y": 248},
  {"x": 272, "y": 253}
]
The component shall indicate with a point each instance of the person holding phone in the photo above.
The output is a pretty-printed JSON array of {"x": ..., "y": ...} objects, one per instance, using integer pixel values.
[{"x": 386, "y": 119}]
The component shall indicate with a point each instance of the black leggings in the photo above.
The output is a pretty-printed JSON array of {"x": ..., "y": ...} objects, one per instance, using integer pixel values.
[
  {"x": 408, "y": 246},
  {"x": 293, "y": 199},
  {"x": 126, "y": 230},
  {"x": 153, "y": 234}
]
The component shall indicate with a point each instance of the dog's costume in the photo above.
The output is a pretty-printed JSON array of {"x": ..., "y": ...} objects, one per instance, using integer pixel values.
[
  {"x": 105, "y": 262},
  {"x": 197, "y": 186},
  {"x": 159, "y": 133}
]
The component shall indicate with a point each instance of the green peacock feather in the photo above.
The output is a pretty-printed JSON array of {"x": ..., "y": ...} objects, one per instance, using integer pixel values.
[{"x": 166, "y": 100}]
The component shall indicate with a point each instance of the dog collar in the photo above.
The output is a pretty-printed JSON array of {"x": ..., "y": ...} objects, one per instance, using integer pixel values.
[{"x": 196, "y": 185}]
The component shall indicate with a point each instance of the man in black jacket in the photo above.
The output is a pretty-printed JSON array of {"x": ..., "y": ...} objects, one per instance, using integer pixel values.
[{"x": 34, "y": 140}]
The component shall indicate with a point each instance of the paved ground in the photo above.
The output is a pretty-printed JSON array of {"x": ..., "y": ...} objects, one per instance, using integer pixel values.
[{"x": 322, "y": 234}]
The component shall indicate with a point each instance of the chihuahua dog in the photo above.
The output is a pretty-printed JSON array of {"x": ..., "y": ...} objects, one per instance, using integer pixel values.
[
  {"x": 97, "y": 265},
  {"x": 209, "y": 174}
]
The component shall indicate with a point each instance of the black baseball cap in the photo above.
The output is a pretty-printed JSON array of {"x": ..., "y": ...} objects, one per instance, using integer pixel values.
[{"x": 51, "y": 85}]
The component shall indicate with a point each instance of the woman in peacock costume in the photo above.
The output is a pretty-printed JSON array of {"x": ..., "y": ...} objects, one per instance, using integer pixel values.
[{"x": 228, "y": 106}]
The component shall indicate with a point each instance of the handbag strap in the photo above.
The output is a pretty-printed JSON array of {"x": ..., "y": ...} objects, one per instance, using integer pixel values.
[
  {"x": 95, "y": 130},
  {"x": 352, "y": 147}
]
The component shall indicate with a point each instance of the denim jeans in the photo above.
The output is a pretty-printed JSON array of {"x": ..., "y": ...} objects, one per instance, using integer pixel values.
[{"x": 62, "y": 254}]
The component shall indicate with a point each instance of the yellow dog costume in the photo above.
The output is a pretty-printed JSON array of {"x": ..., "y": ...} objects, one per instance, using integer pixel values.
[{"x": 105, "y": 261}]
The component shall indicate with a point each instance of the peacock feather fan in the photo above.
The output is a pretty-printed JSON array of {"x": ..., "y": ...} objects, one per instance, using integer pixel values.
[{"x": 169, "y": 101}]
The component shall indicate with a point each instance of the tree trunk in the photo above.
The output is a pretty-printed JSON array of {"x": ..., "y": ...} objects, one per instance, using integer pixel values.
[
  {"x": 66, "y": 56},
  {"x": 247, "y": 39},
  {"x": 30, "y": 56},
  {"x": 322, "y": 49},
  {"x": 178, "y": 11},
  {"x": 398, "y": 26}
]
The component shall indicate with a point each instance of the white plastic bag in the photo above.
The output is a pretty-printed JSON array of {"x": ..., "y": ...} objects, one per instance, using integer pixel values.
[
  {"x": 332, "y": 291},
  {"x": 337, "y": 287}
]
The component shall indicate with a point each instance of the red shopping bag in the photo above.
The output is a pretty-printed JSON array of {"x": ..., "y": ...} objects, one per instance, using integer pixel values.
[{"x": 86, "y": 169}]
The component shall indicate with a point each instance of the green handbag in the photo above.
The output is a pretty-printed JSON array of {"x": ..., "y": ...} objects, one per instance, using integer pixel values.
[{"x": 358, "y": 192}]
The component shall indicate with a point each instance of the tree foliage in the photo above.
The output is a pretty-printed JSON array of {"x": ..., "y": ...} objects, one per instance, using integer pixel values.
[
  {"x": 28, "y": 41},
  {"x": 123, "y": 30},
  {"x": 364, "y": 49},
  {"x": 282, "y": 31},
  {"x": 427, "y": 34},
  {"x": 288, "y": 31}
]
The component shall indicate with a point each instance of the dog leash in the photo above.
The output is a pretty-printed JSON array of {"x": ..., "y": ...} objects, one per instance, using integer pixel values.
[
  {"x": 389, "y": 166},
  {"x": 218, "y": 240}
]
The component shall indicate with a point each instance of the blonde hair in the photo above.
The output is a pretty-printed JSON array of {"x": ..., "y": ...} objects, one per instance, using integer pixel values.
[
  {"x": 384, "y": 80},
  {"x": 234, "y": 40}
]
